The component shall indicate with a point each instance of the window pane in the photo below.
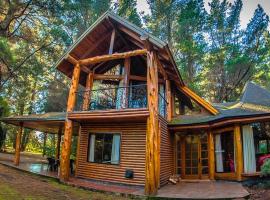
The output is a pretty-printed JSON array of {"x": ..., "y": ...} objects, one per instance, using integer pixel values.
[
  {"x": 107, "y": 148},
  {"x": 98, "y": 148}
]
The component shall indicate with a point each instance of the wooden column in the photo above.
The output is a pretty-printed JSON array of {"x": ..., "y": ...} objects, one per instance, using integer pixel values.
[
  {"x": 57, "y": 153},
  {"x": 152, "y": 164},
  {"x": 66, "y": 148},
  {"x": 239, "y": 152},
  {"x": 44, "y": 144},
  {"x": 18, "y": 145},
  {"x": 211, "y": 155},
  {"x": 88, "y": 88},
  {"x": 169, "y": 100},
  {"x": 126, "y": 80}
]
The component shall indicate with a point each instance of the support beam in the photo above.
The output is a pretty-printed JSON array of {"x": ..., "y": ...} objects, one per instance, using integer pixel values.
[
  {"x": 169, "y": 100},
  {"x": 18, "y": 145},
  {"x": 66, "y": 148},
  {"x": 44, "y": 144},
  {"x": 152, "y": 135},
  {"x": 88, "y": 88},
  {"x": 107, "y": 77},
  {"x": 58, "y": 145},
  {"x": 211, "y": 153},
  {"x": 114, "y": 56},
  {"x": 74, "y": 61},
  {"x": 78, "y": 151},
  {"x": 112, "y": 42},
  {"x": 126, "y": 80},
  {"x": 239, "y": 152}
]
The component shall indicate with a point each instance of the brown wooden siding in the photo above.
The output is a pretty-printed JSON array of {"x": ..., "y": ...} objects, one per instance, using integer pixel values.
[
  {"x": 132, "y": 154},
  {"x": 166, "y": 152}
]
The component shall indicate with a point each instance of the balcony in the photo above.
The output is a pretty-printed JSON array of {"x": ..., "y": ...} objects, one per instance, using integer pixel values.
[{"x": 112, "y": 98}]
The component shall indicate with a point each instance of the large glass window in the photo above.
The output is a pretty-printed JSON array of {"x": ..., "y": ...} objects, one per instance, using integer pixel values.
[
  {"x": 104, "y": 148},
  {"x": 224, "y": 152},
  {"x": 256, "y": 145}
]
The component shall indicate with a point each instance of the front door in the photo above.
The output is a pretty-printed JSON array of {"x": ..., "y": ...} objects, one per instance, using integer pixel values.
[{"x": 192, "y": 155}]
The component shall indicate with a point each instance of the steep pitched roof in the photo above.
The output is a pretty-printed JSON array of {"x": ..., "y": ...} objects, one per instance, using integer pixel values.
[
  {"x": 95, "y": 41},
  {"x": 255, "y": 101}
]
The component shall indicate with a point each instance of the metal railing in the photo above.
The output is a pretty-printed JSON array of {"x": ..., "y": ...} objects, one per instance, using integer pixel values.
[
  {"x": 112, "y": 98},
  {"x": 162, "y": 105}
]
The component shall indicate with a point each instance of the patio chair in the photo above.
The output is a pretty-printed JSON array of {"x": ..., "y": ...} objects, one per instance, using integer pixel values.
[{"x": 51, "y": 163}]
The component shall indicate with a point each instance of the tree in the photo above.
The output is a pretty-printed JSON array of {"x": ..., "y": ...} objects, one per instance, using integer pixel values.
[{"x": 128, "y": 10}]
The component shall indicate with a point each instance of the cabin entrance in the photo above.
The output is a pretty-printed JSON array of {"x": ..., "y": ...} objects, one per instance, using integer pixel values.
[{"x": 192, "y": 155}]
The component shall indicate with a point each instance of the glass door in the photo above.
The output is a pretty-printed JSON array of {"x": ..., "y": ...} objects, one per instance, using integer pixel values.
[{"x": 192, "y": 156}]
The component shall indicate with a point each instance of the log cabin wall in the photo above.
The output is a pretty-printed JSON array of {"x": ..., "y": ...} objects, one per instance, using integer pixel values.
[
  {"x": 166, "y": 152},
  {"x": 132, "y": 153}
]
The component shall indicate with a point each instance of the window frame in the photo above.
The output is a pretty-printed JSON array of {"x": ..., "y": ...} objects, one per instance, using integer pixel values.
[{"x": 103, "y": 133}]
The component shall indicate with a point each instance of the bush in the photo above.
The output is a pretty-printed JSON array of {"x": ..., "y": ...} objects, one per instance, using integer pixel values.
[{"x": 265, "y": 168}]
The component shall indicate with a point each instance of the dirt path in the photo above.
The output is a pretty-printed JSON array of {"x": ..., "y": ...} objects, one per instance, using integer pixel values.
[{"x": 19, "y": 185}]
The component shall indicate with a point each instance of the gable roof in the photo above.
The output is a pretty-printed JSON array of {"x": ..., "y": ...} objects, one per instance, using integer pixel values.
[
  {"x": 254, "y": 101},
  {"x": 100, "y": 32}
]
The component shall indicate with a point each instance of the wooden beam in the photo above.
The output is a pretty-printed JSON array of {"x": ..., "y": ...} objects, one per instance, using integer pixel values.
[
  {"x": 74, "y": 61},
  {"x": 66, "y": 148},
  {"x": 112, "y": 42},
  {"x": 169, "y": 100},
  {"x": 88, "y": 88},
  {"x": 18, "y": 145},
  {"x": 78, "y": 151},
  {"x": 152, "y": 162},
  {"x": 199, "y": 100},
  {"x": 58, "y": 145},
  {"x": 211, "y": 155},
  {"x": 239, "y": 152},
  {"x": 114, "y": 56},
  {"x": 107, "y": 77}
]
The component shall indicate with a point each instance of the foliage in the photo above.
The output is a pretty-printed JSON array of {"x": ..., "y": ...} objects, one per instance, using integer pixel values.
[
  {"x": 265, "y": 168},
  {"x": 215, "y": 55}
]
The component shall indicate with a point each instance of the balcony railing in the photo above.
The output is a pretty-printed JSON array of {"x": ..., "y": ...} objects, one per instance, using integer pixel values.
[
  {"x": 162, "y": 105},
  {"x": 112, "y": 98}
]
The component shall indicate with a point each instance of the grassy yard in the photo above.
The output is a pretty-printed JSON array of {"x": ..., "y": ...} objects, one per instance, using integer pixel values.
[{"x": 20, "y": 185}]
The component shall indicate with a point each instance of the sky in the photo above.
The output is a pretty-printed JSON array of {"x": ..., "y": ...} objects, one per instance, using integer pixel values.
[{"x": 248, "y": 9}]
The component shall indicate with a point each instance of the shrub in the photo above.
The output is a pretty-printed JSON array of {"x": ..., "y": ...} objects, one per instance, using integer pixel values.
[{"x": 265, "y": 168}]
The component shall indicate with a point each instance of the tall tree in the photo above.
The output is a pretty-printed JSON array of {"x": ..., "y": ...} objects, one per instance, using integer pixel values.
[{"x": 128, "y": 10}]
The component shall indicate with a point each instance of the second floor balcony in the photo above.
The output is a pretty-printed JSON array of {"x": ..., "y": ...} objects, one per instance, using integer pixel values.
[
  {"x": 117, "y": 98},
  {"x": 112, "y": 98}
]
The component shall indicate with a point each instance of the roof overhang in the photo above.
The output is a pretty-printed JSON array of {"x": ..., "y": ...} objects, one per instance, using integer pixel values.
[{"x": 89, "y": 45}]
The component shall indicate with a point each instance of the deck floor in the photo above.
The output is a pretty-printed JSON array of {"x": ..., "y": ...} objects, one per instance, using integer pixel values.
[{"x": 183, "y": 190}]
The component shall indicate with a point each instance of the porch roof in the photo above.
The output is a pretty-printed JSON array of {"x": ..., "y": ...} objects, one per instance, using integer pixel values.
[
  {"x": 47, "y": 122},
  {"x": 254, "y": 102}
]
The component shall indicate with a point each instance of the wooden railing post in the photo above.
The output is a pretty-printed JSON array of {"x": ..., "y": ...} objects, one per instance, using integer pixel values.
[
  {"x": 88, "y": 88},
  {"x": 126, "y": 81},
  {"x": 18, "y": 145},
  {"x": 152, "y": 135},
  {"x": 66, "y": 148},
  {"x": 211, "y": 158},
  {"x": 57, "y": 153},
  {"x": 239, "y": 152}
]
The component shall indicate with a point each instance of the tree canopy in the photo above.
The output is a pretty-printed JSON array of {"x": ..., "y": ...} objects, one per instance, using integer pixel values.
[{"x": 215, "y": 54}]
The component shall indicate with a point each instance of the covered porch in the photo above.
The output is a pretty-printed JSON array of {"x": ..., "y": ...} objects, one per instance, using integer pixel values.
[{"x": 48, "y": 123}]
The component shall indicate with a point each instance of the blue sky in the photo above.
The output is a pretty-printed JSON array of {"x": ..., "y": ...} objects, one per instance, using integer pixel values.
[{"x": 247, "y": 12}]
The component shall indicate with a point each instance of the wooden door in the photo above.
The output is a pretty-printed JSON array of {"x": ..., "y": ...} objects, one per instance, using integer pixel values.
[{"x": 192, "y": 156}]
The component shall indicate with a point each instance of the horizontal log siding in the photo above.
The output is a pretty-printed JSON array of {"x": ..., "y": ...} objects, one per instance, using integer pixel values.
[
  {"x": 166, "y": 152},
  {"x": 132, "y": 154}
]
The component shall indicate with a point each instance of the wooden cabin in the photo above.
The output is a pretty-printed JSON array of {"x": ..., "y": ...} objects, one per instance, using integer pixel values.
[{"x": 137, "y": 121}]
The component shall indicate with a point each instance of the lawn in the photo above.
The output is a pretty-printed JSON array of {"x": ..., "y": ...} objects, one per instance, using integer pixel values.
[{"x": 20, "y": 185}]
